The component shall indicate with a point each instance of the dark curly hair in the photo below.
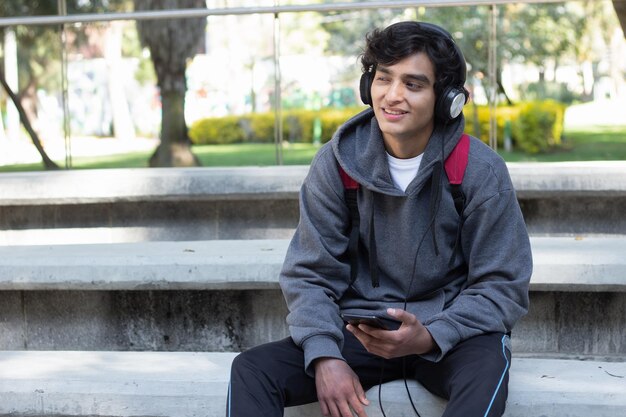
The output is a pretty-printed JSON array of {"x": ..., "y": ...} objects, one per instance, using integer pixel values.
[{"x": 390, "y": 45}]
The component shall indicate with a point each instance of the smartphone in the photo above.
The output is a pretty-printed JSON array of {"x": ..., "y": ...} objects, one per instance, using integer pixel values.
[{"x": 373, "y": 320}]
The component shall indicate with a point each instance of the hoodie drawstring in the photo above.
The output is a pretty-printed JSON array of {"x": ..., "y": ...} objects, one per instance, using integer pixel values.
[
  {"x": 373, "y": 258},
  {"x": 435, "y": 200}
]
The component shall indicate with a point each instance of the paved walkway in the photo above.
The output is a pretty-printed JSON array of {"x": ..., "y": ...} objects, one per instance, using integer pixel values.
[
  {"x": 22, "y": 151},
  {"x": 599, "y": 112}
]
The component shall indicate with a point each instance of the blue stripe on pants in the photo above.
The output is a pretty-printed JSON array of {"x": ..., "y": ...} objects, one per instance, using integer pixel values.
[{"x": 506, "y": 368}]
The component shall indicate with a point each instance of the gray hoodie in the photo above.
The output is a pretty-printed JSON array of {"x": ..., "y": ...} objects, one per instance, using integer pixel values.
[{"x": 459, "y": 283}]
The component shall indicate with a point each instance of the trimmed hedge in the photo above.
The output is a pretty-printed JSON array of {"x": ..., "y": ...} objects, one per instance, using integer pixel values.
[
  {"x": 539, "y": 126},
  {"x": 298, "y": 126},
  {"x": 534, "y": 126},
  {"x": 477, "y": 121},
  {"x": 217, "y": 131}
]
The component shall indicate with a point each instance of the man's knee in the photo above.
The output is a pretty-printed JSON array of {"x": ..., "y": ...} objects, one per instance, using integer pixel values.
[
  {"x": 269, "y": 360},
  {"x": 479, "y": 391},
  {"x": 479, "y": 377},
  {"x": 250, "y": 387},
  {"x": 249, "y": 362},
  {"x": 485, "y": 375}
]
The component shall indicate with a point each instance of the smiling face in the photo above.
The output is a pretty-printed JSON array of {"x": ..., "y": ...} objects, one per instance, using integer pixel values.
[{"x": 403, "y": 99}]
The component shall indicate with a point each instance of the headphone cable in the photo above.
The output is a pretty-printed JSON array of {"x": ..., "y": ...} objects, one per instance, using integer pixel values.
[
  {"x": 406, "y": 386},
  {"x": 380, "y": 384},
  {"x": 382, "y": 360},
  {"x": 431, "y": 224}
]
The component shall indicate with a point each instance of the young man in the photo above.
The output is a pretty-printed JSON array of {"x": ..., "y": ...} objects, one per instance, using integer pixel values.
[{"x": 457, "y": 278}]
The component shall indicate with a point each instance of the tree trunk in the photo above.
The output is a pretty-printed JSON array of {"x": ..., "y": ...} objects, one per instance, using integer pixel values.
[
  {"x": 172, "y": 42},
  {"x": 502, "y": 91},
  {"x": 176, "y": 150},
  {"x": 47, "y": 162}
]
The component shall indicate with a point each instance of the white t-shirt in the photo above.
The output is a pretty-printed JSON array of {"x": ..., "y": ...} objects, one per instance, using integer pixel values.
[{"x": 404, "y": 170}]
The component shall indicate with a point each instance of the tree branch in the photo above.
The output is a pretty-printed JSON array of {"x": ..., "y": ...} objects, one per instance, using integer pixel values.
[{"x": 47, "y": 162}]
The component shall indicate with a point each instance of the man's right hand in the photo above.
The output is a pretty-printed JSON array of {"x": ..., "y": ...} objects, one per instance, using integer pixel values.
[{"x": 339, "y": 391}]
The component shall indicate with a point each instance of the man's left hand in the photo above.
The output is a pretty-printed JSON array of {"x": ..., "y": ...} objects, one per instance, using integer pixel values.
[{"x": 411, "y": 338}]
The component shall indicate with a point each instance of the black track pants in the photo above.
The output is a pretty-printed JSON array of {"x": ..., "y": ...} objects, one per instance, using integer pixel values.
[{"x": 473, "y": 376}]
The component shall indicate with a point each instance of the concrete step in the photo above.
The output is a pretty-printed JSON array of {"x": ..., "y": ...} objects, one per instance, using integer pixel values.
[
  {"x": 94, "y": 186},
  {"x": 182, "y": 204},
  {"x": 224, "y": 296},
  {"x": 177, "y": 384},
  {"x": 594, "y": 178},
  {"x": 591, "y": 264}
]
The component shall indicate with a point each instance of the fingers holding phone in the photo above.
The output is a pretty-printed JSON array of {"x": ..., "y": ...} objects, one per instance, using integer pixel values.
[
  {"x": 373, "y": 320},
  {"x": 410, "y": 337}
]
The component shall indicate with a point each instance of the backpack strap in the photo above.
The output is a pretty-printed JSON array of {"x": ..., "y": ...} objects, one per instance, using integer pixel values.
[
  {"x": 455, "y": 166},
  {"x": 350, "y": 188}
]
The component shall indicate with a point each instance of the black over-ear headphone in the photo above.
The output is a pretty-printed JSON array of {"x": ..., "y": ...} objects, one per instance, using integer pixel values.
[{"x": 452, "y": 98}]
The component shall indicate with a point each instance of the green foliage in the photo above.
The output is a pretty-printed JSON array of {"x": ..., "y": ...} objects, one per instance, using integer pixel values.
[
  {"x": 217, "y": 131},
  {"x": 346, "y": 29},
  {"x": 539, "y": 126},
  {"x": 477, "y": 121},
  {"x": 536, "y": 126},
  {"x": 331, "y": 120},
  {"x": 298, "y": 126},
  {"x": 259, "y": 127},
  {"x": 39, "y": 46},
  {"x": 543, "y": 90}
]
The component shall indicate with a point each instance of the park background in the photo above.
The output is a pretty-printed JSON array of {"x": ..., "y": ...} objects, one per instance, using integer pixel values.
[{"x": 266, "y": 82}]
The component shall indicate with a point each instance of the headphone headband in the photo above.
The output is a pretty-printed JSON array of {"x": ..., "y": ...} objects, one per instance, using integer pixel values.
[
  {"x": 452, "y": 98},
  {"x": 462, "y": 73}
]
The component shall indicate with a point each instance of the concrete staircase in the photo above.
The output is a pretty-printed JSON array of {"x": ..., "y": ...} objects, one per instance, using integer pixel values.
[
  {"x": 128, "y": 292},
  {"x": 193, "y": 384}
]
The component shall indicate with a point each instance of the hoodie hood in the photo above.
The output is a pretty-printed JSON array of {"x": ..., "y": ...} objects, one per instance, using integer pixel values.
[{"x": 359, "y": 148}]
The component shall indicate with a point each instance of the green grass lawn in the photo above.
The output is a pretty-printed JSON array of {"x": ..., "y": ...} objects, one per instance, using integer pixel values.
[
  {"x": 129, "y": 160},
  {"x": 599, "y": 143},
  {"x": 590, "y": 144},
  {"x": 254, "y": 154},
  {"x": 257, "y": 154}
]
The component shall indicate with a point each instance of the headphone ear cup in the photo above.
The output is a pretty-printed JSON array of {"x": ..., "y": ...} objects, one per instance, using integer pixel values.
[
  {"x": 450, "y": 103},
  {"x": 365, "y": 87}
]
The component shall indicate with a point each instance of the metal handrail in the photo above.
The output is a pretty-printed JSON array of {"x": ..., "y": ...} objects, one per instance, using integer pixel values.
[{"x": 190, "y": 13}]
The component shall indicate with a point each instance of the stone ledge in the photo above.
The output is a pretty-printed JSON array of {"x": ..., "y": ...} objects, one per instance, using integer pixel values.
[
  {"x": 150, "y": 184},
  {"x": 176, "y": 384},
  {"x": 531, "y": 180},
  {"x": 604, "y": 179},
  {"x": 590, "y": 264}
]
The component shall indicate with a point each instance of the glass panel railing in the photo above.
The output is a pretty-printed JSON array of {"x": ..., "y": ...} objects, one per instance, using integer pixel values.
[{"x": 266, "y": 84}]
